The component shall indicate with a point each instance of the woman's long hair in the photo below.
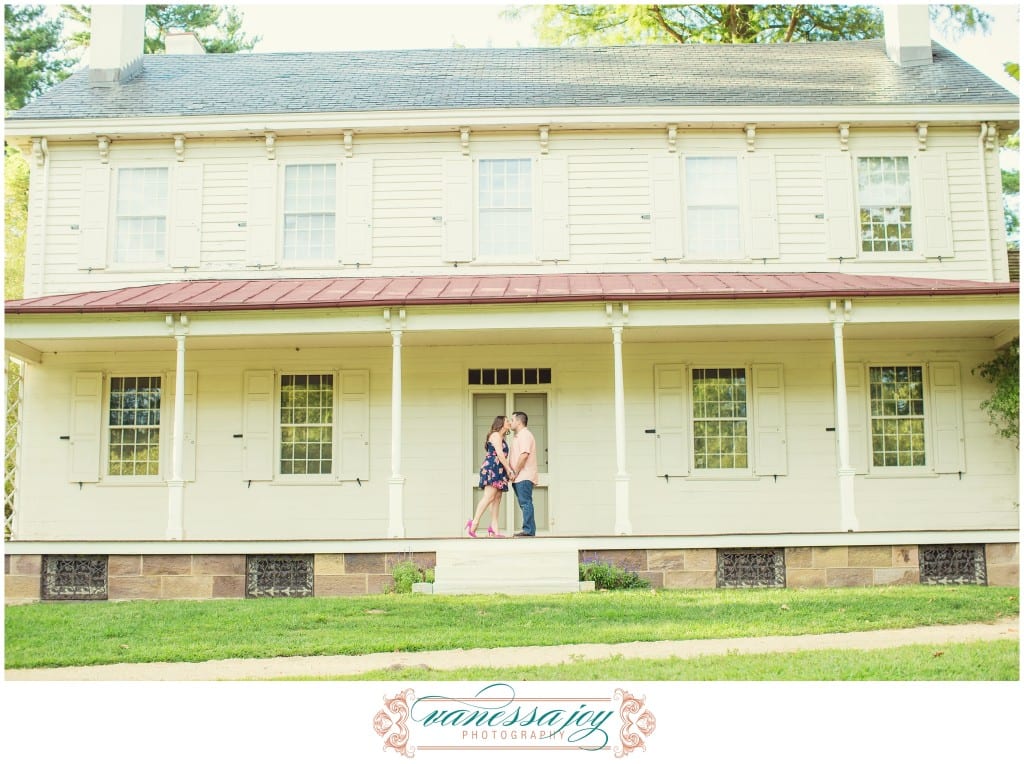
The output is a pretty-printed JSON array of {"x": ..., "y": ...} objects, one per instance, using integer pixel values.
[{"x": 496, "y": 426}]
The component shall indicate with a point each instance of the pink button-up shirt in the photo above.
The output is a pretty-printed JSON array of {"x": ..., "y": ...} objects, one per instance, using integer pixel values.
[{"x": 522, "y": 443}]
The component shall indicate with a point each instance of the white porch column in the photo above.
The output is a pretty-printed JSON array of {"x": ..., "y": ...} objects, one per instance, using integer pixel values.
[
  {"x": 847, "y": 509},
  {"x": 176, "y": 485},
  {"x": 623, "y": 526},
  {"x": 396, "y": 484}
]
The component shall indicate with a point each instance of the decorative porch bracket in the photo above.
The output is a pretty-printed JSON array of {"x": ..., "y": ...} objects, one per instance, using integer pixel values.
[
  {"x": 623, "y": 524},
  {"x": 840, "y": 314},
  {"x": 176, "y": 485}
]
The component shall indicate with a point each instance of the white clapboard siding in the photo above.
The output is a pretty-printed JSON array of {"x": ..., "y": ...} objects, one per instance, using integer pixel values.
[
  {"x": 857, "y": 412},
  {"x": 261, "y": 222},
  {"x": 947, "y": 447},
  {"x": 554, "y": 208},
  {"x": 258, "y": 426},
  {"x": 355, "y": 199},
  {"x": 186, "y": 215},
  {"x": 935, "y": 237},
  {"x": 95, "y": 219},
  {"x": 666, "y": 208},
  {"x": 761, "y": 213},
  {"x": 354, "y": 461},
  {"x": 840, "y": 206},
  {"x": 86, "y": 426},
  {"x": 457, "y": 244},
  {"x": 609, "y": 207},
  {"x": 770, "y": 454},
  {"x": 672, "y": 453}
]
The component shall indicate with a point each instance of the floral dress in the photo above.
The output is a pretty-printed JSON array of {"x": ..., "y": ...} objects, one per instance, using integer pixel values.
[{"x": 492, "y": 472}]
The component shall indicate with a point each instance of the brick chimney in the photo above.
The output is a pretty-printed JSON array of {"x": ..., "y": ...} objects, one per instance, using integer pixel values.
[
  {"x": 115, "y": 50},
  {"x": 908, "y": 40},
  {"x": 183, "y": 43}
]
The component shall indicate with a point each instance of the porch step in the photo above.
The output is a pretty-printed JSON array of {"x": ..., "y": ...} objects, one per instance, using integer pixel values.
[{"x": 507, "y": 566}]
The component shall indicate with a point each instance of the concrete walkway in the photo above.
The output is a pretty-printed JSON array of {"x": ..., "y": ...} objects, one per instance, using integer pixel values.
[{"x": 505, "y": 657}]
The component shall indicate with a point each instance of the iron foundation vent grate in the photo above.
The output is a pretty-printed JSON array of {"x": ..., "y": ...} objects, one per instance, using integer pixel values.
[
  {"x": 952, "y": 564},
  {"x": 751, "y": 568},
  {"x": 289, "y": 575},
  {"x": 74, "y": 577}
]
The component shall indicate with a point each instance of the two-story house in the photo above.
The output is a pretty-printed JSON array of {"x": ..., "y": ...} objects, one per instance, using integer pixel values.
[{"x": 274, "y": 301}]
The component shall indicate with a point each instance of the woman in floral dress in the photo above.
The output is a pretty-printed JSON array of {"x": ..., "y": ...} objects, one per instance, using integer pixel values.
[{"x": 495, "y": 474}]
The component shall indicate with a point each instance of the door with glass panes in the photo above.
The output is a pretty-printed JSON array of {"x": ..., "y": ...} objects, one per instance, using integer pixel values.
[{"x": 486, "y": 406}]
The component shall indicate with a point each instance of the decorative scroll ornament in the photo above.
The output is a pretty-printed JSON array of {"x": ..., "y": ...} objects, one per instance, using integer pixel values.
[
  {"x": 544, "y": 135},
  {"x": 179, "y": 147},
  {"x": 922, "y": 136},
  {"x": 271, "y": 141},
  {"x": 991, "y": 136},
  {"x": 638, "y": 724},
  {"x": 464, "y": 140},
  {"x": 39, "y": 151},
  {"x": 844, "y": 137},
  {"x": 751, "y": 131},
  {"x": 347, "y": 142},
  {"x": 390, "y": 723},
  {"x": 673, "y": 132}
]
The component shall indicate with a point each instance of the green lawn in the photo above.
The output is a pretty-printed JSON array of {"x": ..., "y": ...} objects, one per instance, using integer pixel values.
[
  {"x": 89, "y": 633},
  {"x": 971, "y": 661}
]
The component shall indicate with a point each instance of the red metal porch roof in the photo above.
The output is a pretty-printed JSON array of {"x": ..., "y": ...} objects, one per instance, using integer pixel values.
[{"x": 384, "y": 291}]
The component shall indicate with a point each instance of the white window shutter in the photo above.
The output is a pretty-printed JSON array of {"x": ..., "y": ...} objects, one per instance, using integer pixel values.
[
  {"x": 355, "y": 231},
  {"x": 672, "y": 451},
  {"x": 947, "y": 447},
  {"x": 935, "y": 239},
  {"x": 457, "y": 240},
  {"x": 666, "y": 208},
  {"x": 769, "y": 420},
  {"x": 857, "y": 413},
  {"x": 841, "y": 213},
  {"x": 262, "y": 221},
  {"x": 86, "y": 426},
  {"x": 762, "y": 215},
  {"x": 95, "y": 223},
  {"x": 554, "y": 212},
  {"x": 354, "y": 462},
  {"x": 186, "y": 215},
  {"x": 258, "y": 426}
]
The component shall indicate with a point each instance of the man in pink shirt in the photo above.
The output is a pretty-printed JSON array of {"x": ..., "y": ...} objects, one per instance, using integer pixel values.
[{"x": 523, "y": 459}]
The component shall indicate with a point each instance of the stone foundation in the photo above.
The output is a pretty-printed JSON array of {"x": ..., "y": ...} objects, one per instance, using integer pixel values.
[{"x": 806, "y": 567}]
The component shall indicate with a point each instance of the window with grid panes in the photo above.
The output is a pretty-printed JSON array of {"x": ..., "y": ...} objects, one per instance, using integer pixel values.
[
  {"x": 505, "y": 208},
  {"x": 883, "y": 194},
  {"x": 897, "y": 416},
  {"x": 720, "y": 419},
  {"x": 134, "y": 426},
  {"x": 307, "y": 424},
  {"x": 309, "y": 212},
  {"x": 141, "y": 215},
  {"x": 712, "y": 206}
]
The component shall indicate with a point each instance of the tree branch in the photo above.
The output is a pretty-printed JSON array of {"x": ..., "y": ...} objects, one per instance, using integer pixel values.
[
  {"x": 797, "y": 11},
  {"x": 656, "y": 11}
]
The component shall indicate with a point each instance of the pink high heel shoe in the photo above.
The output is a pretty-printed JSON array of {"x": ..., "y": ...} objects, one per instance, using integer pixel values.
[
  {"x": 493, "y": 534},
  {"x": 469, "y": 528}
]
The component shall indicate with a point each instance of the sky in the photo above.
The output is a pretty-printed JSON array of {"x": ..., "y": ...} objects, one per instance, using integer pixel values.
[{"x": 334, "y": 26}]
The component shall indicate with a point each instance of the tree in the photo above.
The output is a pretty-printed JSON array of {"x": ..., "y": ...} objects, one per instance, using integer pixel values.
[
  {"x": 631, "y": 24},
  {"x": 15, "y": 221},
  {"x": 33, "y": 54},
  {"x": 1003, "y": 406},
  {"x": 1011, "y": 178},
  {"x": 218, "y": 27}
]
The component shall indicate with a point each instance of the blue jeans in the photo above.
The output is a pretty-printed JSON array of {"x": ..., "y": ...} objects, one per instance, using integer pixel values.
[{"x": 524, "y": 495}]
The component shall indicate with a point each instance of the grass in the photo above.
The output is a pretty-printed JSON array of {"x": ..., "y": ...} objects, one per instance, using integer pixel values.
[
  {"x": 971, "y": 661},
  {"x": 80, "y": 634}
]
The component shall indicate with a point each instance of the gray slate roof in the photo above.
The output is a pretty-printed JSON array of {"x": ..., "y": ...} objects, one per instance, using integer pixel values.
[{"x": 797, "y": 74}]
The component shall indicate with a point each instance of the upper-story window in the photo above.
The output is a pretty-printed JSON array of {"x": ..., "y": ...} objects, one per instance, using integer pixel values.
[
  {"x": 309, "y": 212},
  {"x": 883, "y": 196},
  {"x": 505, "y": 208},
  {"x": 712, "y": 206},
  {"x": 141, "y": 215}
]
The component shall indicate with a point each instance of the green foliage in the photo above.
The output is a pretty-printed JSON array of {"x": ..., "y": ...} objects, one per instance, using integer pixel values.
[
  {"x": 606, "y": 576},
  {"x": 33, "y": 58},
  {"x": 1003, "y": 406},
  {"x": 16, "y": 174},
  {"x": 218, "y": 27},
  {"x": 407, "y": 573},
  {"x": 644, "y": 24}
]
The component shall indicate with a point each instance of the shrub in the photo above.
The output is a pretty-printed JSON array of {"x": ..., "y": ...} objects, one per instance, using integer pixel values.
[
  {"x": 1003, "y": 406},
  {"x": 406, "y": 573},
  {"x": 606, "y": 576}
]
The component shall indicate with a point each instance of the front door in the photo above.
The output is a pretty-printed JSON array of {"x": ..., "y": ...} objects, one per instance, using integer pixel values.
[{"x": 486, "y": 406}]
